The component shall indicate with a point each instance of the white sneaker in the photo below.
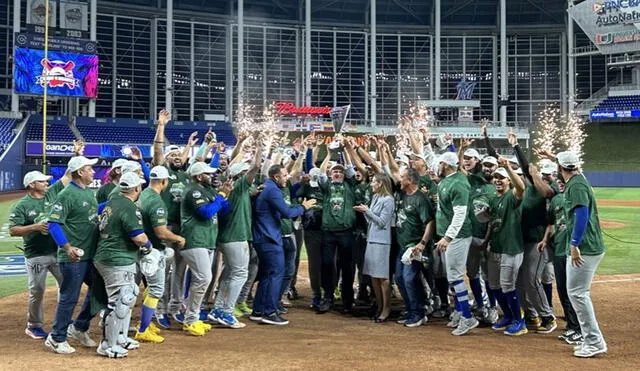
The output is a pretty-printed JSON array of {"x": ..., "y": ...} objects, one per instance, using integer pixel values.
[
  {"x": 129, "y": 343},
  {"x": 80, "y": 336},
  {"x": 454, "y": 319},
  {"x": 492, "y": 315},
  {"x": 588, "y": 351},
  {"x": 111, "y": 352},
  {"x": 465, "y": 325},
  {"x": 60, "y": 348},
  {"x": 417, "y": 323}
]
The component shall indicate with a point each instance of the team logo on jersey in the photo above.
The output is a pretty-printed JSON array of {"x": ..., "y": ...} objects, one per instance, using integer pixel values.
[
  {"x": 85, "y": 204},
  {"x": 196, "y": 194},
  {"x": 57, "y": 207},
  {"x": 32, "y": 213},
  {"x": 160, "y": 212}
]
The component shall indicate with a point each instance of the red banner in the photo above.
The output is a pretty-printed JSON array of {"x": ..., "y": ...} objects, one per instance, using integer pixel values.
[{"x": 288, "y": 108}]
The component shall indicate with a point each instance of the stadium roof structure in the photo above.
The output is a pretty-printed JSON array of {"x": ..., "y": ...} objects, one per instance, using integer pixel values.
[{"x": 408, "y": 13}]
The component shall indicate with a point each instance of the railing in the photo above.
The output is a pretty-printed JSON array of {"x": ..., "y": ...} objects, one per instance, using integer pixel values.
[{"x": 585, "y": 107}]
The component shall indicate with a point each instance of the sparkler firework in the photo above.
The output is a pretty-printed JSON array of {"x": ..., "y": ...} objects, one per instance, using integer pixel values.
[{"x": 556, "y": 132}]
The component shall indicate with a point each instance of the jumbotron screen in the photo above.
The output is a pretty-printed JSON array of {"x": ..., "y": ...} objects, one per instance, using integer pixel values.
[{"x": 64, "y": 74}]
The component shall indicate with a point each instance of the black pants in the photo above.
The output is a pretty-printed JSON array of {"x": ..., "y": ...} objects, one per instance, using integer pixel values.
[
  {"x": 337, "y": 254},
  {"x": 361, "y": 247},
  {"x": 560, "y": 268},
  {"x": 299, "y": 234},
  {"x": 313, "y": 243}
]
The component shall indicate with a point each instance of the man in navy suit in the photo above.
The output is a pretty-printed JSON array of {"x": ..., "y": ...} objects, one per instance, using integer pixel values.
[{"x": 270, "y": 207}]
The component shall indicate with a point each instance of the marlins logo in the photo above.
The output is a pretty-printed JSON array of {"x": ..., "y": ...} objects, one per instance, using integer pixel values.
[
  {"x": 56, "y": 74},
  {"x": 598, "y": 8}
]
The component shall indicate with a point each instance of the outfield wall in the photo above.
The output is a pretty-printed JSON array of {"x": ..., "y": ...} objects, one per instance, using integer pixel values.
[{"x": 613, "y": 178}]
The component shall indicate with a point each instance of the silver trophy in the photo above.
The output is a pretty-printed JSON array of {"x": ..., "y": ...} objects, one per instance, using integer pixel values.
[{"x": 338, "y": 118}]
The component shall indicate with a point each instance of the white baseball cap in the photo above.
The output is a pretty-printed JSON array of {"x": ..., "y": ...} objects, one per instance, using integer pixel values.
[
  {"x": 159, "y": 173},
  {"x": 419, "y": 155},
  {"x": 449, "y": 158},
  {"x": 315, "y": 175},
  {"x": 514, "y": 160},
  {"x": 502, "y": 172},
  {"x": 519, "y": 171},
  {"x": 199, "y": 168},
  {"x": 130, "y": 166},
  {"x": 548, "y": 169},
  {"x": 568, "y": 160},
  {"x": 78, "y": 162},
  {"x": 35, "y": 176},
  {"x": 238, "y": 168},
  {"x": 118, "y": 163},
  {"x": 472, "y": 153},
  {"x": 170, "y": 149},
  {"x": 130, "y": 180},
  {"x": 490, "y": 160},
  {"x": 402, "y": 158},
  {"x": 337, "y": 165}
]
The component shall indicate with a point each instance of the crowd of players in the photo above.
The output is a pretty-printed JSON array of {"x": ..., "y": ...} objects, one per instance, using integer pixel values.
[{"x": 198, "y": 232}]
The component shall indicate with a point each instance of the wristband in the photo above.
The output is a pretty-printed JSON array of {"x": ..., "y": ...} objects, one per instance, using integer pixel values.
[
  {"x": 222, "y": 194},
  {"x": 423, "y": 242},
  {"x": 146, "y": 248}
]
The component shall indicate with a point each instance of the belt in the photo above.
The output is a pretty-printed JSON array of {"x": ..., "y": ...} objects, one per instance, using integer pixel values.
[{"x": 287, "y": 235}]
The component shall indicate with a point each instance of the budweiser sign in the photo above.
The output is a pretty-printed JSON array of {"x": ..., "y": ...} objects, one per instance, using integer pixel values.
[{"x": 287, "y": 108}]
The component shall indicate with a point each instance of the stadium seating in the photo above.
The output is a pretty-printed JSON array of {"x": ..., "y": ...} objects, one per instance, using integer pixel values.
[
  {"x": 57, "y": 130},
  {"x": 6, "y": 133},
  {"x": 617, "y": 103}
]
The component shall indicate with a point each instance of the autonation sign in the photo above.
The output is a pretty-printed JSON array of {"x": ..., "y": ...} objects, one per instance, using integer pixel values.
[
  {"x": 613, "y": 26},
  {"x": 608, "y": 115}
]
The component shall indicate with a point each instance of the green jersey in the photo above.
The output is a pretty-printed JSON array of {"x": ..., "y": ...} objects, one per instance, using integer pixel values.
[
  {"x": 198, "y": 232},
  {"x": 104, "y": 192},
  {"x": 172, "y": 196},
  {"x": 339, "y": 199},
  {"x": 480, "y": 192},
  {"x": 555, "y": 215},
  {"x": 432, "y": 188},
  {"x": 29, "y": 211},
  {"x": 506, "y": 216},
  {"x": 286, "y": 224},
  {"x": 534, "y": 215},
  {"x": 578, "y": 192},
  {"x": 312, "y": 219},
  {"x": 414, "y": 212},
  {"x": 236, "y": 225},
  {"x": 118, "y": 220},
  {"x": 453, "y": 191},
  {"x": 363, "y": 194},
  {"x": 75, "y": 209},
  {"x": 154, "y": 214}
]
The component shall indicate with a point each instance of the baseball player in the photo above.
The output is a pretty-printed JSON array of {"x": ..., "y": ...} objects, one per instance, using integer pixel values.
[
  {"x": 481, "y": 186},
  {"x": 154, "y": 219},
  {"x": 72, "y": 224},
  {"x": 122, "y": 240},
  {"x": 28, "y": 220},
  {"x": 506, "y": 247},
  {"x": 586, "y": 250},
  {"x": 199, "y": 213},
  {"x": 102, "y": 195},
  {"x": 172, "y": 158},
  {"x": 452, "y": 223}
]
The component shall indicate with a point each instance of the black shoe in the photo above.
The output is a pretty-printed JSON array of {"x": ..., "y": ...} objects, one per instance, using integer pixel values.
[
  {"x": 325, "y": 306},
  {"x": 274, "y": 319},
  {"x": 256, "y": 316},
  {"x": 293, "y": 294},
  {"x": 347, "y": 309},
  {"x": 281, "y": 310}
]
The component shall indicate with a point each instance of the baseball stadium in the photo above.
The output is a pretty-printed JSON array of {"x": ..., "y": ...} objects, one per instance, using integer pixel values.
[{"x": 319, "y": 184}]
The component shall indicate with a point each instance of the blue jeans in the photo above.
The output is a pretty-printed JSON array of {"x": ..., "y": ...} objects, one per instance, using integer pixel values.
[
  {"x": 73, "y": 275},
  {"x": 290, "y": 250},
  {"x": 410, "y": 285},
  {"x": 270, "y": 274}
]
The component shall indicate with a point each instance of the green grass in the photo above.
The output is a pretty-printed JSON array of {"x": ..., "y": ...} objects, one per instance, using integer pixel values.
[
  {"x": 612, "y": 147},
  {"x": 617, "y": 193}
]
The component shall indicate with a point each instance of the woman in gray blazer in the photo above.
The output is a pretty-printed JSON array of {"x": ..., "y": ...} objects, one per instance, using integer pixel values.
[{"x": 376, "y": 258}]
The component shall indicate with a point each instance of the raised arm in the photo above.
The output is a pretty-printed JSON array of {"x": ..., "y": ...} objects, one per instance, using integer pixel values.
[
  {"x": 518, "y": 184},
  {"x": 158, "y": 141},
  {"x": 487, "y": 142}
]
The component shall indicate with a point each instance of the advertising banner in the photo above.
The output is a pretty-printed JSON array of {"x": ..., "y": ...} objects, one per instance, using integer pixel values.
[
  {"x": 59, "y": 149},
  {"x": 612, "y": 26},
  {"x": 64, "y": 74},
  {"x": 608, "y": 115}
]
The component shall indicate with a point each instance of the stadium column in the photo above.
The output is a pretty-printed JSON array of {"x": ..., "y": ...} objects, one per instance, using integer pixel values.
[
  {"x": 240, "y": 53},
  {"x": 169, "y": 61},
  {"x": 93, "y": 27},
  {"x": 571, "y": 62},
  {"x": 372, "y": 47},
  {"x": 438, "y": 50},
  {"x": 504, "y": 92},
  {"x": 15, "y": 100}
]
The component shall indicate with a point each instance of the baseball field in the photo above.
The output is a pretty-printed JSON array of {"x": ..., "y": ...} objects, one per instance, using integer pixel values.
[{"x": 332, "y": 341}]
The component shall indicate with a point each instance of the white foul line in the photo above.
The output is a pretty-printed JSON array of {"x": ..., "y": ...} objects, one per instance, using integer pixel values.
[{"x": 618, "y": 280}]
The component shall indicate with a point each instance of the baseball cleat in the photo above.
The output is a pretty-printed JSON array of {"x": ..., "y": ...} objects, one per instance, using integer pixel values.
[
  {"x": 244, "y": 308},
  {"x": 533, "y": 323},
  {"x": 517, "y": 328},
  {"x": 454, "y": 319},
  {"x": 163, "y": 321},
  {"x": 230, "y": 321},
  {"x": 112, "y": 352},
  {"x": 205, "y": 326},
  {"x": 178, "y": 317},
  {"x": 215, "y": 314},
  {"x": 588, "y": 351},
  {"x": 566, "y": 335},
  {"x": 492, "y": 316},
  {"x": 237, "y": 312},
  {"x": 148, "y": 336},
  {"x": 547, "y": 326},
  {"x": 575, "y": 339},
  {"x": 193, "y": 329},
  {"x": 129, "y": 343},
  {"x": 465, "y": 325},
  {"x": 60, "y": 348},
  {"x": 81, "y": 336},
  {"x": 155, "y": 329},
  {"x": 203, "y": 315},
  {"x": 36, "y": 332}
]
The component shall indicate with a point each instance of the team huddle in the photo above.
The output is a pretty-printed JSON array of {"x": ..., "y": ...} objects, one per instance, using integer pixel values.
[{"x": 199, "y": 230}]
